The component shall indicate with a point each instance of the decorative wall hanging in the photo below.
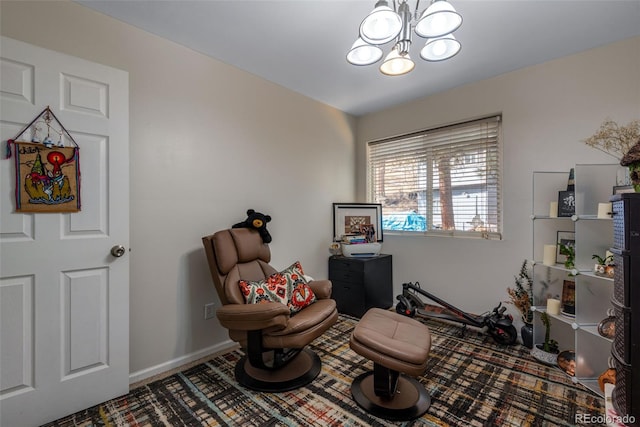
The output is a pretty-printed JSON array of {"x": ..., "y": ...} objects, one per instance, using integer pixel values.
[{"x": 47, "y": 172}]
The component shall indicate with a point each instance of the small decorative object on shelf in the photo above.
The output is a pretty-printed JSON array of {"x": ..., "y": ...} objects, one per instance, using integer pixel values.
[
  {"x": 571, "y": 183},
  {"x": 546, "y": 352},
  {"x": 604, "y": 266},
  {"x": 607, "y": 328},
  {"x": 549, "y": 255},
  {"x": 604, "y": 211},
  {"x": 566, "y": 203},
  {"x": 608, "y": 376},
  {"x": 335, "y": 248},
  {"x": 567, "y": 199},
  {"x": 567, "y": 362},
  {"x": 569, "y": 298},
  {"x": 553, "y": 305}
]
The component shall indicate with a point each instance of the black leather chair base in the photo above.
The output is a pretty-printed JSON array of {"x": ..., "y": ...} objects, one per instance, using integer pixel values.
[
  {"x": 410, "y": 399},
  {"x": 299, "y": 372}
]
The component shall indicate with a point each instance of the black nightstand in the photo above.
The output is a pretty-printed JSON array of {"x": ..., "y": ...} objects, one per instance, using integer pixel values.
[{"x": 360, "y": 283}]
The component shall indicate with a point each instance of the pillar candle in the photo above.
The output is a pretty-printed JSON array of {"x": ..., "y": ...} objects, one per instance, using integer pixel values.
[
  {"x": 553, "y": 306},
  {"x": 553, "y": 210},
  {"x": 603, "y": 210},
  {"x": 549, "y": 257}
]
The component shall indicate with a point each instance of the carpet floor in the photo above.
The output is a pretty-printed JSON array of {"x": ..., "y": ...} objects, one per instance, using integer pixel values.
[{"x": 472, "y": 382}]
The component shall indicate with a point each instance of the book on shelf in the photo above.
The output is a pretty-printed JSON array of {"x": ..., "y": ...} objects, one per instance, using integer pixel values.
[{"x": 354, "y": 239}]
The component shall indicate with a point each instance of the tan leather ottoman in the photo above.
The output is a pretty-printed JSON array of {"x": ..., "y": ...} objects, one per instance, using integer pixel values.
[{"x": 399, "y": 348}]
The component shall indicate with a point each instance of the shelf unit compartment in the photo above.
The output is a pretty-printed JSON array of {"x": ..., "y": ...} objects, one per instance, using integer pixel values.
[
  {"x": 592, "y": 355},
  {"x": 546, "y": 233},
  {"x": 593, "y": 295},
  {"x": 545, "y": 190},
  {"x": 548, "y": 283},
  {"x": 561, "y": 331},
  {"x": 594, "y": 184},
  {"x": 595, "y": 239}
]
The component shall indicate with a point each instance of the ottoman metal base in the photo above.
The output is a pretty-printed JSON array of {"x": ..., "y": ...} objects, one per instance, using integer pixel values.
[{"x": 388, "y": 394}]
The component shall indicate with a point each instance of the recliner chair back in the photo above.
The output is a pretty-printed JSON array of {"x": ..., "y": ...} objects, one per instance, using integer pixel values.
[{"x": 234, "y": 254}]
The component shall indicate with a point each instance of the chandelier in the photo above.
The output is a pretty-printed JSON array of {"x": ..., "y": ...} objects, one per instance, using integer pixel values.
[{"x": 384, "y": 24}]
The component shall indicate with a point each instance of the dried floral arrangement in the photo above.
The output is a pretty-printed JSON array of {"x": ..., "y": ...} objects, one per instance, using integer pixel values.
[
  {"x": 521, "y": 295},
  {"x": 614, "y": 139}
]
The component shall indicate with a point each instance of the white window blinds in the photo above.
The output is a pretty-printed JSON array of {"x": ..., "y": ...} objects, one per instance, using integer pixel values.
[{"x": 443, "y": 181}]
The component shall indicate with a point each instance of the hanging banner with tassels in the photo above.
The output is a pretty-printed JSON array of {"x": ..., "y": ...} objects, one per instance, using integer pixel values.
[{"x": 47, "y": 173}]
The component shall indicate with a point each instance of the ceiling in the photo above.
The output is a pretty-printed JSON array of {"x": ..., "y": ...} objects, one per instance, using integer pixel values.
[{"x": 301, "y": 44}]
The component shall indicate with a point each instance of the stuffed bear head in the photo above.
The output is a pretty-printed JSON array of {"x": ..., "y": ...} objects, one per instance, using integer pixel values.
[{"x": 257, "y": 221}]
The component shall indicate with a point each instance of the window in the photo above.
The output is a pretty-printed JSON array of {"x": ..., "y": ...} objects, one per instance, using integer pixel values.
[{"x": 443, "y": 181}]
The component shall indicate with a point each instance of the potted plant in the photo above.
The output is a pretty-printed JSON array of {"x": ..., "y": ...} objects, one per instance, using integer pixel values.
[
  {"x": 521, "y": 296},
  {"x": 604, "y": 266},
  {"x": 570, "y": 252},
  {"x": 546, "y": 352}
]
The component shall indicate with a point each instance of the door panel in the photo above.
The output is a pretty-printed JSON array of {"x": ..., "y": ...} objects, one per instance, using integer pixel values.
[{"x": 64, "y": 340}]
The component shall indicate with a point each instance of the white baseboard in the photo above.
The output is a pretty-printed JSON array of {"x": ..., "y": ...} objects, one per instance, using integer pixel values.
[{"x": 143, "y": 374}]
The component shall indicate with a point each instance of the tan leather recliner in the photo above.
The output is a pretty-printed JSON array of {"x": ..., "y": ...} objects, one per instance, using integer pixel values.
[{"x": 273, "y": 340}]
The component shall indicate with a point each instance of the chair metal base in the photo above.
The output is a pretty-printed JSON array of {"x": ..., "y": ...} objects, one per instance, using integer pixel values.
[
  {"x": 407, "y": 398},
  {"x": 298, "y": 372}
]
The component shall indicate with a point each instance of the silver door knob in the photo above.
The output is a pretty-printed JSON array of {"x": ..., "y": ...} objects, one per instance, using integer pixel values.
[{"x": 117, "y": 251}]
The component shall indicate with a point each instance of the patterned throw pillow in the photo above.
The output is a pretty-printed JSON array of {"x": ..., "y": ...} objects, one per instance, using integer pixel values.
[{"x": 288, "y": 287}]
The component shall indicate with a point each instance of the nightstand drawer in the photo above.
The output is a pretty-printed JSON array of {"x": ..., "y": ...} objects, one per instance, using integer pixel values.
[
  {"x": 349, "y": 298},
  {"x": 361, "y": 283}
]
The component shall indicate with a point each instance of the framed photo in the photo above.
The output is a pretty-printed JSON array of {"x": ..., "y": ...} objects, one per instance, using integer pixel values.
[
  {"x": 348, "y": 218},
  {"x": 619, "y": 189},
  {"x": 566, "y": 203},
  {"x": 567, "y": 238}
]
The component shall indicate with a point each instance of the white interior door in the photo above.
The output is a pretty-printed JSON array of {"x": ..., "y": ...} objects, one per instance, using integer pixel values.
[{"x": 64, "y": 299}]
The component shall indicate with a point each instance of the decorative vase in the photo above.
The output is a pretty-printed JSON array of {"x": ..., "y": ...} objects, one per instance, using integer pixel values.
[{"x": 526, "y": 332}]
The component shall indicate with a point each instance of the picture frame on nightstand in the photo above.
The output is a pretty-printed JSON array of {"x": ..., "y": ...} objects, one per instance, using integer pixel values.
[{"x": 349, "y": 217}]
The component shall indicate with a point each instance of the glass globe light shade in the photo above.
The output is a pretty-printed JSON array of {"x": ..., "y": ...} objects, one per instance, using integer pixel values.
[
  {"x": 362, "y": 53},
  {"x": 438, "y": 19},
  {"x": 440, "y": 48},
  {"x": 382, "y": 25}
]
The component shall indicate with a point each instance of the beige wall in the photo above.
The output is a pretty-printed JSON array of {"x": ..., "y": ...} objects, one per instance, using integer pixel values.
[
  {"x": 547, "y": 111},
  {"x": 208, "y": 141}
]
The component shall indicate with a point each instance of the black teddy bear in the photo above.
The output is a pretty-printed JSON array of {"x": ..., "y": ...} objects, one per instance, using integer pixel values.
[{"x": 257, "y": 221}]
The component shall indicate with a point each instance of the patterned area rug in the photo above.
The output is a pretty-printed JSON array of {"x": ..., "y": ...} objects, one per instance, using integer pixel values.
[{"x": 472, "y": 382}]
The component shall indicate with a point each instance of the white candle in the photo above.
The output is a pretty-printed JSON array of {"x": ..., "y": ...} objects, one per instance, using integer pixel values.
[
  {"x": 603, "y": 210},
  {"x": 553, "y": 306},
  {"x": 549, "y": 256},
  {"x": 553, "y": 210}
]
